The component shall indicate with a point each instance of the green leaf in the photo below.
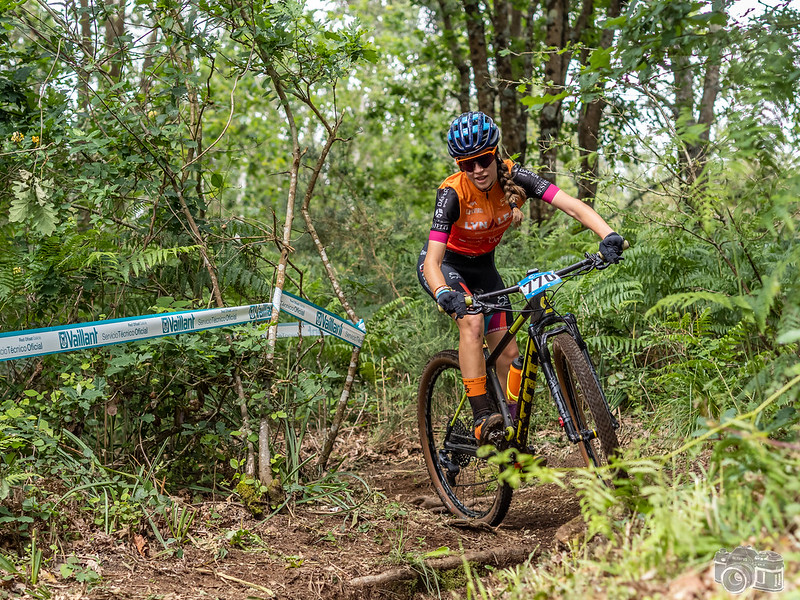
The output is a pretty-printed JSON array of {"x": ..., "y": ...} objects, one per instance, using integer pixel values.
[
  {"x": 31, "y": 203},
  {"x": 718, "y": 18},
  {"x": 616, "y": 22},
  {"x": 789, "y": 337},
  {"x": 216, "y": 180},
  {"x": 600, "y": 58},
  {"x": 440, "y": 551},
  {"x": 66, "y": 570},
  {"x": 370, "y": 55},
  {"x": 544, "y": 99},
  {"x": 7, "y": 565}
]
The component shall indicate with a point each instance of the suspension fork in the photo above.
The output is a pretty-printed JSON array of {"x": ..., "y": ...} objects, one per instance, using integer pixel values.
[{"x": 540, "y": 342}]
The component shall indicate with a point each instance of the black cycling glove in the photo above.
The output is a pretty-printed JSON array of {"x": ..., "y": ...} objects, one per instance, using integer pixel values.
[
  {"x": 611, "y": 247},
  {"x": 452, "y": 302}
]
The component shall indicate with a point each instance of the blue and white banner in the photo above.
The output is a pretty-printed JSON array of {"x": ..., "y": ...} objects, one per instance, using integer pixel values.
[
  {"x": 319, "y": 317},
  {"x": 298, "y": 329},
  {"x": 36, "y": 342},
  {"x": 65, "y": 338}
]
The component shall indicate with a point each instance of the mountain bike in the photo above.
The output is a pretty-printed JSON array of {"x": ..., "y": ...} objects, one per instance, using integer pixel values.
[{"x": 468, "y": 484}]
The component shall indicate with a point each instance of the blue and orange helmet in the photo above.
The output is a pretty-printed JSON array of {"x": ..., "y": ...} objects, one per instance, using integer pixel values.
[{"x": 471, "y": 133}]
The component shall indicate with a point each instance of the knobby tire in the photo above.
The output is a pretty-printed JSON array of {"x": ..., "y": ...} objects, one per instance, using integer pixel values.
[
  {"x": 585, "y": 401},
  {"x": 468, "y": 486}
]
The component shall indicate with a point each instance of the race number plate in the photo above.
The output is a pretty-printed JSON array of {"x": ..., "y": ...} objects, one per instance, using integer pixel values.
[{"x": 536, "y": 283}]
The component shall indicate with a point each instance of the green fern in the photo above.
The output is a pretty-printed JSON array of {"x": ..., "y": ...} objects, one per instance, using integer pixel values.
[
  {"x": 684, "y": 300},
  {"x": 138, "y": 262}
]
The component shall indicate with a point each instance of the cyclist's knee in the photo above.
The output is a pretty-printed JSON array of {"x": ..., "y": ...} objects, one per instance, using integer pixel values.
[
  {"x": 471, "y": 327},
  {"x": 510, "y": 352}
]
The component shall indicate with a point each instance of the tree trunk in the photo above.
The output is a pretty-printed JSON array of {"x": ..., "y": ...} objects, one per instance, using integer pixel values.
[
  {"x": 697, "y": 151},
  {"x": 446, "y": 8},
  {"x": 691, "y": 151},
  {"x": 526, "y": 72},
  {"x": 479, "y": 57},
  {"x": 145, "y": 81},
  {"x": 509, "y": 106},
  {"x": 340, "y": 409},
  {"x": 558, "y": 34},
  {"x": 265, "y": 474},
  {"x": 115, "y": 28},
  {"x": 683, "y": 109},
  {"x": 550, "y": 118},
  {"x": 589, "y": 125},
  {"x": 588, "y": 130},
  {"x": 87, "y": 55}
]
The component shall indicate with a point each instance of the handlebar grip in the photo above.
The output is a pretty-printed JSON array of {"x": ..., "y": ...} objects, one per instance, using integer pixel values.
[
  {"x": 467, "y": 300},
  {"x": 625, "y": 246}
]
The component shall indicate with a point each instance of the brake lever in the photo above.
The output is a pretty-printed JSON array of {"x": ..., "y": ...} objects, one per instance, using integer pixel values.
[{"x": 473, "y": 307}]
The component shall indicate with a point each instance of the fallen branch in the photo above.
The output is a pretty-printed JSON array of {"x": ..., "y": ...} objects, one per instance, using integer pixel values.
[
  {"x": 250, "y": 584},
  {"x": 496, "y": 557}
]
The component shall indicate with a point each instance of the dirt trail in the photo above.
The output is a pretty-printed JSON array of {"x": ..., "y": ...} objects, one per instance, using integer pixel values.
[{"x": 315, "y": 553}]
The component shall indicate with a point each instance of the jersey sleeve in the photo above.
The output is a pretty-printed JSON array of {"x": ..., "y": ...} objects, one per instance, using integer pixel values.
[
  {"x": 534, "y": 185},
  {"x": 445, "y": 214}
]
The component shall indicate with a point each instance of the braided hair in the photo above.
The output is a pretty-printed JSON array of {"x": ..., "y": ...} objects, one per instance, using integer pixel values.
[{"x": 514, "y": 193}]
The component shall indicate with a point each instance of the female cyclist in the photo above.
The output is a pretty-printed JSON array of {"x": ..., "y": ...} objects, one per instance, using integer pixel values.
[{"x": 474, "y": 207}]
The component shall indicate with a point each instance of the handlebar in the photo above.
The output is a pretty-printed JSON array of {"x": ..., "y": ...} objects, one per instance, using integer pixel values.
[{"x": 589, "y": 263}]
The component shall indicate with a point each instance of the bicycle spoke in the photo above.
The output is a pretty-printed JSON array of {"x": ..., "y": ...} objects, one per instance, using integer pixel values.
[{"x": 468, "y": 485}]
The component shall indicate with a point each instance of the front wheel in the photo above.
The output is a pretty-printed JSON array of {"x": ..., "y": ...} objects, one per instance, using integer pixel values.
[
  {"x": 467, "y": 485},
  {"x": 585, "y": 401}
]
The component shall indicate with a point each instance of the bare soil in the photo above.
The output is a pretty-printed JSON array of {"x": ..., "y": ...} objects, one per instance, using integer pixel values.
[{"x": 314, "y": 551}]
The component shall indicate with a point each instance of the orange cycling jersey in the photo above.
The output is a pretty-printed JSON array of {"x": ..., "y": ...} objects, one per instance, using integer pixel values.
[{"x": 472, "y": 222}]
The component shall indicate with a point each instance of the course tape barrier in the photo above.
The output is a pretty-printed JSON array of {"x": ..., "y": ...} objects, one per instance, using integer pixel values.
[
  {"x": 81, "y": 336},
  {"x": 326, "y": 321}
]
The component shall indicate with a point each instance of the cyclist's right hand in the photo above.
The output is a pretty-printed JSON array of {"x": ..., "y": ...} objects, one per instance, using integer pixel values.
[
  {"x": 451, "y": 302},
  {"x": 612, "y": 246}
]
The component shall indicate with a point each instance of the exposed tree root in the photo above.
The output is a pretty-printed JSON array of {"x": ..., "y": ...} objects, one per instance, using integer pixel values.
[
  {"x": 250, "y": 584},
  {"x": 432, "y": 503},
  {"x": 496, "y": 557}
]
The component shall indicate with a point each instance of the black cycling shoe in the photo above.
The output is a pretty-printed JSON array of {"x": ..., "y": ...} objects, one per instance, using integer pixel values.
[{"x": 486, "y": 426}]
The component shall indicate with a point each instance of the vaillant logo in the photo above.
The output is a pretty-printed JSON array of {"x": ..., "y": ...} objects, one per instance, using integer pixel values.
[
  {"x": 259, "y": 312},
  {"x": 328, "y": 324},
  {"x": 77, "y": 338},
  {"x": 177, "y": 324}
]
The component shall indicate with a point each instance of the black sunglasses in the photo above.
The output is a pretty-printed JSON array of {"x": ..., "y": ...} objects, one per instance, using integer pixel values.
[{"x": 484, "y": 160}]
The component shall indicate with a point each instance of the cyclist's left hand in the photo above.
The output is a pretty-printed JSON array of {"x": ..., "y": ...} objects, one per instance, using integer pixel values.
[
  {"x": 453, "y": 303},
  {"x": 611, "y": 247}
]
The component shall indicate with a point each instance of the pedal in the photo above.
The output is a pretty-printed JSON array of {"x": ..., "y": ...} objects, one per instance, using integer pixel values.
[{"x": 498, "y": 435}]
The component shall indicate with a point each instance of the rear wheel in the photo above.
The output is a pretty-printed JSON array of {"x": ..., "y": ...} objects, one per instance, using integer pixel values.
[
  {"x": 467, "y": 485},
  {"x": 585, "y": 401}
]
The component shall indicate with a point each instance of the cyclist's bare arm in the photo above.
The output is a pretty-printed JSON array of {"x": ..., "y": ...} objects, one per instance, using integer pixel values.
[
  {"x": 432, "y": 266},
  {"x": 581, "y": 212}
]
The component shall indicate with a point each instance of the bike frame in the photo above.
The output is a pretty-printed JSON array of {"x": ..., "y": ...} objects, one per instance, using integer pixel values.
[{"x": 544, "y": 324}]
